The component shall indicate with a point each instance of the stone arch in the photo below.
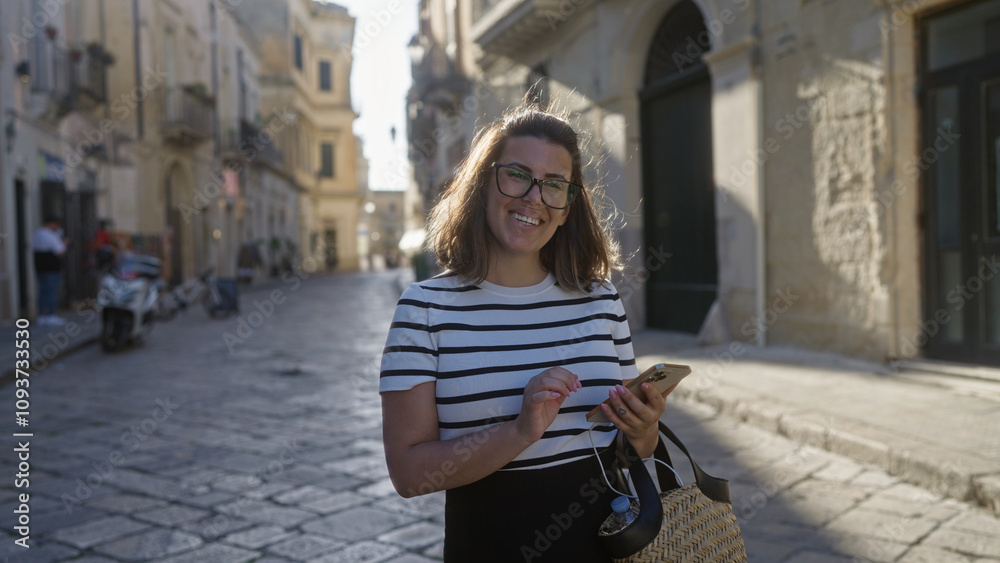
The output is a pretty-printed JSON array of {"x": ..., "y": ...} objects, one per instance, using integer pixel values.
[
  {"x": 678, "y": 192},
  {"x": 637, "y": 35}
]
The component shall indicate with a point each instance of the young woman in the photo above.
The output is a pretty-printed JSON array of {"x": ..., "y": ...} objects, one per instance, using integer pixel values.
[{"x": 490, "y": 369}]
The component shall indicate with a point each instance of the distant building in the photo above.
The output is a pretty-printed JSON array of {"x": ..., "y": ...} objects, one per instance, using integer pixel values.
[
  {"x": 798, "y": 172},
  {"x": 305, "y": 70},
  {"x": 384, "y": 213}
]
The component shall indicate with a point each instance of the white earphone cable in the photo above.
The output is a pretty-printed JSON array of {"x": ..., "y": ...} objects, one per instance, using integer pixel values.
[{"x": 604, "y": 473}]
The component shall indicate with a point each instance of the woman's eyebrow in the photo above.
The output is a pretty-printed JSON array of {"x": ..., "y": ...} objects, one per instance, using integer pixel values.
[{"x": 527, "y": 169}]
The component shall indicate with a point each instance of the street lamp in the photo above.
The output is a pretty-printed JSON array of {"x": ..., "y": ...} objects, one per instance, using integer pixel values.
[{"x": 417, "y": 50}]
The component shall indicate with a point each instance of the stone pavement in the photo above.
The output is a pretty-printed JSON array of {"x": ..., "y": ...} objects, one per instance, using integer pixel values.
[
  {"x": 48, "y": 343},
  {"x": 258, "y": 439},
  {"x": 82, "y": 328}
]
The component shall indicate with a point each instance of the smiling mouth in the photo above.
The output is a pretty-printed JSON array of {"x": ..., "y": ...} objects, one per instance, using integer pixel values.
[{"x": 526, "y": 220}]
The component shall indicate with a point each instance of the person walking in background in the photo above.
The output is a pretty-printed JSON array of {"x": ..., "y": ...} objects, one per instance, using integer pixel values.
[
  {"x": 490, "y": 369},
  {"x": 49, "y": 246},
  {"x": 101, "y": 256}
]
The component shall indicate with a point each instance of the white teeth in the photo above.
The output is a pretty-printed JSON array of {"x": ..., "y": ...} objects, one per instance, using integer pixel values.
[{"x": 527, "y": 220}]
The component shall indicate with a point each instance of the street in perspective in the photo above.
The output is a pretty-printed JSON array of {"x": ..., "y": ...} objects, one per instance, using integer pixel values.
[{"x": 257, "y": 438}]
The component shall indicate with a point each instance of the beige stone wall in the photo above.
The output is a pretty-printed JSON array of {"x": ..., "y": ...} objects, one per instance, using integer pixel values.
[
  {"x": 840, "y": 237},
  {"x": 820, "y": 106}
]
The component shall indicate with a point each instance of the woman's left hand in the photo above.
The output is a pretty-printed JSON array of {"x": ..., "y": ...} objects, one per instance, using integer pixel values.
[{"x": 636, "y": 418}]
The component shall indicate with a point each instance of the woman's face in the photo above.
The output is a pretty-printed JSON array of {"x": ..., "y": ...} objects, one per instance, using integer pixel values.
[{"x": 523, "y": 225}]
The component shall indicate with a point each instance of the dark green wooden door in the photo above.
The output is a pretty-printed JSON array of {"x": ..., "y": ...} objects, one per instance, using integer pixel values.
[
  {"x": 679, "y": 201},
  {"x": 958, "y": 166}
]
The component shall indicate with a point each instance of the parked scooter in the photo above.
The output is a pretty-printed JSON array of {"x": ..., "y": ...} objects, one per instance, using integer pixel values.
[{"x": 127, "y": 300}]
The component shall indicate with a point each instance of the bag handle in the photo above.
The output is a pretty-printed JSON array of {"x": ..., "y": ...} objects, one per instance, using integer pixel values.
[
  {"x": 715, "y": 488},
  {"x": 647, "y": 524}
]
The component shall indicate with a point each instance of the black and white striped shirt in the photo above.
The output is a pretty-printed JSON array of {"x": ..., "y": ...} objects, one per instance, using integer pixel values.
[{"x": 481, "y": 344}]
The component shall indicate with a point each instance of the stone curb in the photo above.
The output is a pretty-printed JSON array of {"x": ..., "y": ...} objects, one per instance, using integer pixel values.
[{"x": 964, "y": 478}]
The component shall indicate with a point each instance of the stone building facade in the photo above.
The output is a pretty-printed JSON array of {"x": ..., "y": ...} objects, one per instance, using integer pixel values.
[
  {"x": 808, "y": 173},
  {"x": 305, "y": 74},
  {"x": 184, "y": 127},
  {"x": 132, "y": 113}
]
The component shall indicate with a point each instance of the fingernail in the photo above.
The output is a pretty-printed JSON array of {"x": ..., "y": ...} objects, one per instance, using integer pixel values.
[
  {"x": 612, "y": 393},
  {"x": 645, "y": 386},
  {"x": 620, "y": 389},
  {"x": 556, "y": 394}
]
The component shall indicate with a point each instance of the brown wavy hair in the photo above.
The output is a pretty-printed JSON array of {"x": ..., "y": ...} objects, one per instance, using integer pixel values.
[{"x": 582, "y": 251}]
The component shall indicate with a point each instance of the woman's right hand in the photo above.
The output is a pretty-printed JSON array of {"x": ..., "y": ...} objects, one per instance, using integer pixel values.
[{"x": 543, "y": 396}]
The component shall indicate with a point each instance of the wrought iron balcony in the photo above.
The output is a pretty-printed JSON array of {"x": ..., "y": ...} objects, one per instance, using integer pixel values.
[
  {"x": 188, "y": 115},
  {"x": 88, "y": 77},
  {"x": 504, "y": 27},
  {"x": 249, "y": 144},
  {"x": 49, "y": 72}
]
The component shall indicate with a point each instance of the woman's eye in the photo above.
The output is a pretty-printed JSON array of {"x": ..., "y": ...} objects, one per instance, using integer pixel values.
[
  {"x": 518, "y": 175},
  {"x": 554, "y": 185}
]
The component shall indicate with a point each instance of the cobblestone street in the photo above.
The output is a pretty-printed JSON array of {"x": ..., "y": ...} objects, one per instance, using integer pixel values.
[{"x": 257, "y": 438}]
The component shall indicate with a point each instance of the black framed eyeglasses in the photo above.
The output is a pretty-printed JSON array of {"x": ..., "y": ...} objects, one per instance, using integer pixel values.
[{"x": 514, "y": 182}]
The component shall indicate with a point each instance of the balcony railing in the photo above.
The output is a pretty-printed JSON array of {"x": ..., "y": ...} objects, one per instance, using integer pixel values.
[
  {"x": 72, "y": 79},
  {"x": 506, "y": 26},
  {"x": 88, "y": 78},
  {"x": 188, "y": 115},
  {"x": 49, "y": 68},
  {"x": 248, "y": 144}
]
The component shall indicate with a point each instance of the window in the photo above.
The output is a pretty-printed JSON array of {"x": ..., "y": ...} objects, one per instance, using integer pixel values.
[
  {"x": 298, "y": 52},
  {"x": 326, "y": 159},
  {"x": 324, "y": 76}
]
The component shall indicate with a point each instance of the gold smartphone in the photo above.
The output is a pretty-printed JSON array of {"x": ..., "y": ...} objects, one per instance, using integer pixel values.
[{"x": 660, "y": 376}]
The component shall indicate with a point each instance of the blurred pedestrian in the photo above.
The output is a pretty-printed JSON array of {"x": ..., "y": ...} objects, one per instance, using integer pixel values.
[
  {"x": 247, "y": 261},
  {"x": 102, "y": 237},
  {"x": 102, "y": 254},
  {"x": 49, "y": 246},
  {"x": 489, "y": 369}
]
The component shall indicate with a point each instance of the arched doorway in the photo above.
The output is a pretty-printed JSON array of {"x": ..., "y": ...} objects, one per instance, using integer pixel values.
[{"x": 678, "y": 189}]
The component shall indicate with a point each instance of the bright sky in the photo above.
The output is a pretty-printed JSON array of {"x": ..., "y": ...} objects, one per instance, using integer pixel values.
[{"x": 379, "y": 81}]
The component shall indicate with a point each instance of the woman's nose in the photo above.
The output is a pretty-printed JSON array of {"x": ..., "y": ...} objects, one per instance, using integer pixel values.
[{"x": 534, "y": 193}]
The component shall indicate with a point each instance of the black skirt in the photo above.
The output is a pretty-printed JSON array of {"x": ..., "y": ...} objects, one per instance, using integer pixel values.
[{"x": 534, "y": 515}]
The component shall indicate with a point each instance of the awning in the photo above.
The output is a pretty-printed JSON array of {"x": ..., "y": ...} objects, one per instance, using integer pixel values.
[{"x": 412, "y": 241}]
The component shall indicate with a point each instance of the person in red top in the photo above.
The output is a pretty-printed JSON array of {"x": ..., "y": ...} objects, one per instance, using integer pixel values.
[
  {"x": 102, "y": 237},
  {"x": 102, "y": 252}
]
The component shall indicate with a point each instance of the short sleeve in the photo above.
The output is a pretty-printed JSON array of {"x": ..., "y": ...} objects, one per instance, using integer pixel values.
[
  {"x": 410, "y": 354},
  {"x": 622, "y": 337}
]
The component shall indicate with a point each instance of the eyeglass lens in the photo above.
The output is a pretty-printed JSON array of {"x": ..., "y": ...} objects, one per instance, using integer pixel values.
[{"x": 515, "y": 183}]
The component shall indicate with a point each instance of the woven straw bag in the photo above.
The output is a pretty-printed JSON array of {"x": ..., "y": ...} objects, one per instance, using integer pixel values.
[{"x": 690, "y": 524}]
